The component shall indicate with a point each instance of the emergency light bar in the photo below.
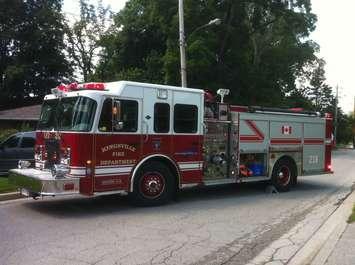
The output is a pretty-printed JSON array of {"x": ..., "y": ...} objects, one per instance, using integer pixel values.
[{"x": 75, "y": 87}]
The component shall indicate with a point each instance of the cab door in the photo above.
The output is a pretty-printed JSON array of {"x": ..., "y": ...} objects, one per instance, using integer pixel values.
[
  {"x": 118, "y": 143},
  {"x": 156, "y": 122},
  {"x": 188, "y": 135}
]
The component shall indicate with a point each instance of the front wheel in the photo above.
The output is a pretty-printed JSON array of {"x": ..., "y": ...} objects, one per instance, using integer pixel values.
[
  {"x": 153, "y": 185},
  {"x": 283, "y": 175}
]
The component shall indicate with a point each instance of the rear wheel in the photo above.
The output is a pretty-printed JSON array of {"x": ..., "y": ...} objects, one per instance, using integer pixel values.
[
  {"x": 153, "y": 185},
  {"x": 283, "y": 175}
]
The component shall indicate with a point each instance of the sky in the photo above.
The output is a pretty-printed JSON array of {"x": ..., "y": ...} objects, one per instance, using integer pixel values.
[
  {"x": 72, "y": 6},
  {"x": 334, "y": 33}
]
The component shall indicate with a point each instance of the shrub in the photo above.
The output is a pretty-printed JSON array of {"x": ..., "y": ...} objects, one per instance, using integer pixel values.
[{"x": 4, "y": 133}]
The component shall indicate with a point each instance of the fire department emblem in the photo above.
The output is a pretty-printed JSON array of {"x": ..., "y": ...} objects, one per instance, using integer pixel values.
[{"x": 286, "y": 129}]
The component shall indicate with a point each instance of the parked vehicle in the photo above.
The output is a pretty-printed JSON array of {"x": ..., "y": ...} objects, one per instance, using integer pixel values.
[
  {"x": 19, "y": 146},
  {"x": 151, "y": 140}
]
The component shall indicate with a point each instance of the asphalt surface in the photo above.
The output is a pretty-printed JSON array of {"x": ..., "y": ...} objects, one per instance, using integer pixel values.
[{"x": 224, "y": 225}]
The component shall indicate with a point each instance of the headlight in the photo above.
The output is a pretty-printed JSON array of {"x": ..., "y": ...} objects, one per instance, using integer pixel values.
[
  {"x": 65, "y": 156},
  {"x": 39, "y": 152},
  {"x": 23, "y": 164}
]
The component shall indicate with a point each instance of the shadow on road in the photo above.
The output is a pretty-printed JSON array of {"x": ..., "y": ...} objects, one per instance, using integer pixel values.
[{"x": 201, "y": 199}]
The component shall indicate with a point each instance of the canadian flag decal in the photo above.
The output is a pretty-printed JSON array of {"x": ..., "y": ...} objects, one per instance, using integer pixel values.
[{"x": 286, "y": 129}]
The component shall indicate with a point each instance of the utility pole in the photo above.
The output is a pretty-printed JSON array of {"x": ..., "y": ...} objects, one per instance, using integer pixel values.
[
  {"x": 182, "y": 44},
  {"x": 336, "y": 114},
  {"x": 353, "y": 125},
  {"x": 182, "y": 40}
]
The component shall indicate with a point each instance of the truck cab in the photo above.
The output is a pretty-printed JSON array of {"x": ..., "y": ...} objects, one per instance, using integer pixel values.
[{"x": 98, "y": 138}]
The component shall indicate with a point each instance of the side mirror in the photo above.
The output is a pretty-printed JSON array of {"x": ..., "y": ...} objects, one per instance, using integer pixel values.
[{"x": 117, "y": 123}]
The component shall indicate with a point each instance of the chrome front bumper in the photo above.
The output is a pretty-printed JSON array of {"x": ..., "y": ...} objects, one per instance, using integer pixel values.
[{"x": 34, "y": 182}]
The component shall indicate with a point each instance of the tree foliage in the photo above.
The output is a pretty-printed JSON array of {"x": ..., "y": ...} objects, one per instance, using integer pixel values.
[
  {"x": 258, "y": 51},
  {"x": 262, "y": 51},
  {"x": 31, "y": 50},
  {"x": 318, "y": 91},
  {"x": 344, "y": 128},
  {"x": 84, "y": 36}
]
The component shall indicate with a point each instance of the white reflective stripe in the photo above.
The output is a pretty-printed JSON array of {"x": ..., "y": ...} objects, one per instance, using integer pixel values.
[
  {"x": 77, "y": 171},
  {"x": 190, "y": 165},
  {"x": 189, "y": 162},
  {"x": 189, "y": 185},
  {"x": 110, "y": 174},
  {"x": 190, "y": 169},
  {"x": 114, "y": 166},
  {"x": 328, "y": 141},
  {"x": 114, "y": 170},
  {"x": 39, "y": 164}
]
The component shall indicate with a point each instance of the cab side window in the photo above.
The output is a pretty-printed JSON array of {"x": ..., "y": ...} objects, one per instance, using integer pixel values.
[
  {"x": 129, "y": 116},
  {"x": 161, "y": 118},
  {"x": 122, "y": 117},
  {"x": 105, "y": 123},
  {"x": 185, "y": 118}
]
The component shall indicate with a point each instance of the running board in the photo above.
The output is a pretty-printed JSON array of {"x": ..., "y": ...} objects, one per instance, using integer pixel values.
[
  {"x": 253, "y": 179},
  {"x": 216, "y": 182},
  {"x": 219, "y": 181}
]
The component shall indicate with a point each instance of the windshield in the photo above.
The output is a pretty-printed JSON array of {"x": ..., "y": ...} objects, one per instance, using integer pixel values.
[{"x": 68, "y": 114}]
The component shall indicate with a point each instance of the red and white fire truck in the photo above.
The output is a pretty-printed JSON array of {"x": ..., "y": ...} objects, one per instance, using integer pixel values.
[{"x": 150, "y": 140}]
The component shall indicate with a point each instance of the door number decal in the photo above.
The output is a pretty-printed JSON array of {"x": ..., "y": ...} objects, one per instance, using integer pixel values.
[{"x": 313, "y": 159}]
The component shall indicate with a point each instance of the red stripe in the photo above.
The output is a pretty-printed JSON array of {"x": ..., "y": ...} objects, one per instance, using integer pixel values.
[
  {"x": 313, "y": 141},
  {"x": 255, "y": 129},
  {"x": 249, "y": 138},
  {"x": 258, "y": 135},
  {"x": 289, "y": 141},
  {"x": 239, "y": 108}
]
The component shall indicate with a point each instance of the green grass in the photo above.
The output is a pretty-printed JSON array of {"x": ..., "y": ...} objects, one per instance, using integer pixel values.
[
  {"x": 352, "y": 216},
  {"x": 5, "y": 186}
]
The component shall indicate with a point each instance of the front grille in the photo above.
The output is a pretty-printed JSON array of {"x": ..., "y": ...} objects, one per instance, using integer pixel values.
[{"x": 52, "y": 148}]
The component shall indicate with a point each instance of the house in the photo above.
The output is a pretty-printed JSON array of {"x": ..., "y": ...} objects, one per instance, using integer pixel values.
[{"x": 20, "y": 118}]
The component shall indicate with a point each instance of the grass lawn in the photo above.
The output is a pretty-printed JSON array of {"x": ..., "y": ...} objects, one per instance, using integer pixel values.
[
  {"x": 5, "y": 186},
  {"x": 352, "y": 216}
]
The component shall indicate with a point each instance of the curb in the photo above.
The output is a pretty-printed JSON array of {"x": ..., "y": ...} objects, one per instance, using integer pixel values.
[
  {"x": 319, "y": 247},
  {"x": 10, "y": 196}
]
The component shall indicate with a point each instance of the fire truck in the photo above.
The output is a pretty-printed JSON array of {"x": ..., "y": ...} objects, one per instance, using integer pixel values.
[{"x": 149, "y": 141}]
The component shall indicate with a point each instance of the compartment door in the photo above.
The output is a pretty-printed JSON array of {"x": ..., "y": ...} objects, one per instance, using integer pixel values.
[
  {"x": 313, "y": 149},
  {"x": 217, "y": 151}
]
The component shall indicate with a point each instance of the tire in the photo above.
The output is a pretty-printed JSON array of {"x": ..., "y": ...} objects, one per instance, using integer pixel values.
[
  {"x": 153, "y": 185},
  {"x": 283, "y": 175}
]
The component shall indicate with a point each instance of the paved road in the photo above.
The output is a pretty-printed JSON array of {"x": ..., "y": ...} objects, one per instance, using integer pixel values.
[{"x": 224, "y": 225}]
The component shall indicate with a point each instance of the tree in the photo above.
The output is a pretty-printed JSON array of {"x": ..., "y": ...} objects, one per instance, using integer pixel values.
[
  {"x": 83, "y": 37},
  {"x": 319, "y": 92},
  {"x": 135, "y": 44},
  {"x": 344, "y": 131},
  {"x": 257, "y": 52},
  {"x": 32, "y": 59}
]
